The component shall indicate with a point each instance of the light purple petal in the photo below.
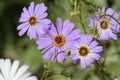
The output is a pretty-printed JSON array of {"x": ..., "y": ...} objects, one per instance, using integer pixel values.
[
  {"x": 106, "y": 35},
  {"x": 67, "y": 29},
  {"x": 83, "y": 39},
  {"x": 97, "y": 49},
  {"x": 66, "y": 45},
  {"x": 86, "y": 39},
  {"x": 47, "y": 49},
  {"x": 53, "y": 31},
  {"x": 21, "y": 26},
  {"x": 95, "y": 56},
  {"x": 36, "y": 9},
  {"x": 116, "y": 28},
  {"x": 31, "y": 8},
  {"x": 93, "y": 44},
  {"x": 48, "y": 54},
  {"x": 26, "y": 12},
  {"x": 66, "y": 22},
  {"x": 74, "y": 46},
  {"x": 61, "y": 57},
  {"x": 32, "y": 32},
  {"x": 42, "y": 16},
  {"x": 74, "y": 35},
  {"x": 54, "y": 56},
  {"x": 91, "y": 22},
  {"x": 45, "y": 21},
  {"x": 90, "y": 60},
  {"x": 103, "y": 9},
  {"x": 39, "y": 30},
  {"x": 59, "y": 25},
  {"x": 40, "y": 9},
  {"x": 103, "y": 35},
  {"x": 23, "y": 30},
  {"x": 44, "y": 28},
  {"x": 43, "y": 42},
  {"x": 89, "y": 39},
  {"x": 87, "y": 61},
  {"x": 111, "y": 12},
  {"x": 24, "y": 17},
  {"x": 83, "y": 63},
  {"x": 73, "y": 55},
  {"x": 112, "y": 35}
]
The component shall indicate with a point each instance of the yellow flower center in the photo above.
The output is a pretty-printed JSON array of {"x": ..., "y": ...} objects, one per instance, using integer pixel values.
[
  {"x": 58, "y": 40},
  {"x": 32, "y": 20},
  {"x": 104, "y": 24},
  {"x": 83, "y": 51}
]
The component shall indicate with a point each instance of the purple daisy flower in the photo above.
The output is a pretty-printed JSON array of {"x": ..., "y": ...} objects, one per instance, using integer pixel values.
[
  {"x": 86, "y": 51},
  {"x": 58, "y": 39},
  {"x": 34, "y": 21},
  {"x": 106, "y": 25}
]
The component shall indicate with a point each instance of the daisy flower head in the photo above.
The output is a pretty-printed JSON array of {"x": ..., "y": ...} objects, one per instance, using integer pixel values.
[
  {"x": 58, "y": 39},
  {"x": 86, "y": 51},
  {"x": 33, "y": 21},
  {"x": 105, "y": 23},
  {"x": 11, "y": 71}
]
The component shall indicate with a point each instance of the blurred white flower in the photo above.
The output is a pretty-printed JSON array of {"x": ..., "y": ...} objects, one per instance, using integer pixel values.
[{"x": 12, "y": 71}]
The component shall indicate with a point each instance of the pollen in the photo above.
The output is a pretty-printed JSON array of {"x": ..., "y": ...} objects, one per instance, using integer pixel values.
[
  {"x": 32, "y": 20},
  {"x": 104, "y": 24},
  {"x": 83, "y": 51},
  {"x": 58, "y": 40}
]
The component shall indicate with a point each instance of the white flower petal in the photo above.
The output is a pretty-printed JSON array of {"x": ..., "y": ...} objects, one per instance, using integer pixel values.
[
  {"x": 7, "y": 66},
  {"x": 26, "y": 75},
  {"x": 13, "y": 72},
  {"x": 1, "y": 77},
  {"x": 22, "y": 70},
  {"x": 14, "y": 68},
  {"x": 32, "y": 78},
  {"x": 3, "y": 70},
  {"x": 1, "y": 62}
]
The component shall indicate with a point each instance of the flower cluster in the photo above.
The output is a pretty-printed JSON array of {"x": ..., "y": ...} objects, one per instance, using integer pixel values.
[{"x": 55, "y": 39}]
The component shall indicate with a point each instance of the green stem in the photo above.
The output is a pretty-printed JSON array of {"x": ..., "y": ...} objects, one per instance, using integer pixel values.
[
  {"x": 99, "y": 70},
  {"x": 43, "y": 76},
  {"x": 54, "y": 76},
  {"x": 47, "y": 68},
  {"x": 75, "y": 5},
  {"x": 90, "y": 4},
  {"x": 102, "y": 73},
  {"x": 81, "y": 21}
]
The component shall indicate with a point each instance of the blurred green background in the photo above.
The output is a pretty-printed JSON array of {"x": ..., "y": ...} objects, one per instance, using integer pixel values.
[{"x": 22, "y": 48}]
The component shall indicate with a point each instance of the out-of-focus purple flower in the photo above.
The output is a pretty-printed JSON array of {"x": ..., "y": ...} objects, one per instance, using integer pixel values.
[
  {"x": 34, "y": 21},
  {"x": 86, "y": 51},
  {"x": 106, "y": 25},
  {"x": 57, "y": 40},
  {"x": 115, "y": 79}
]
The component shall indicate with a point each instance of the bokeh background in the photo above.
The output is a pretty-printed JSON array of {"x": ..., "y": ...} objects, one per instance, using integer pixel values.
[{"x": 22, "y": 48}]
